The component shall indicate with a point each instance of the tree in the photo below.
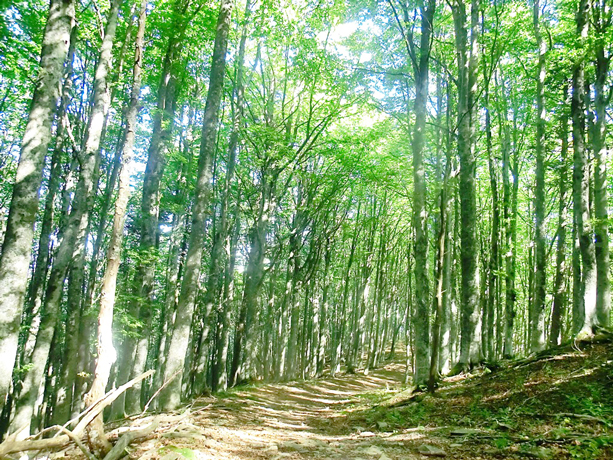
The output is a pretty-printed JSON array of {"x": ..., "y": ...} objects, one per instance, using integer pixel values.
[
  {"x": 76, "y": 227},
  {"x": 537, "y": 336},
  {"x": 106, "y": 354},
  {"x": 171, "y": 397},
  {"x": 467, "y": 47},
  {"x": 421, "y": 61},
  {"x": 16, "y": 247},
  {"x": 584, "y": 301}
]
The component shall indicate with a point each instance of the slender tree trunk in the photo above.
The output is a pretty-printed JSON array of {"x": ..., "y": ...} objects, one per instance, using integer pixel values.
[
  {"x": 76, "y": 226},
  {"x": 421, "y": 318},
  {"x": 79, "y": 305},
  {"x": 509, "y": 217},
  {"x": 602, "y": 24},
  {"x": 37, "y": 284},
  {"x": 493, "y": 268},
  {"x": 467, "y": 53},
  {"x": 337, "y": 343},
  {"x": 438, "y": 300},
  {"x": 216, "y": 266},
  {"x": 295, "y": 282},
  {"x": 244, "y": 348},
  {"x": 17, "y": 245},
  {"x": 584, "y": 307},
  {"x": 134, "y": 349},
  {"x": 537, "y": 334},
  {"x": 106, "y": 354},
  {"x": 325, "y": 309},
  {"x": 560, "y": 290},
  {"x": 171, "y": 396},
  {"x": 220, "y": 374}
]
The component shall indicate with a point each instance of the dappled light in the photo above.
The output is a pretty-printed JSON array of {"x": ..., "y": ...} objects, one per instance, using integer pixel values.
[{"x": 306, "y": 229}]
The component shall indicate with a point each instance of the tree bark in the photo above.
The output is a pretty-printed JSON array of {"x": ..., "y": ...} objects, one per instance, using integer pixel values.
[
  {"x": 537, "y": 334},
  {"x": 75, "y": 228},
  {"x": 493, "y": 269},
  {"x": 171, "y": 396},
  {"x": 602, "y": 23},
  {"x": 222, "y": 229},
  {"x": 134, "y": 349},
  {"x": 244, "y": 348},
  {"x": 37, "y": 283},
  {"x": 421, "y": 312},
  {"x": 106, "y": 354},
  {"x": 584, "y": 305},
  {"x": 220, "y": 373},
  {"x": 16, "y": 248},
  {"x": 559, "y": 289},
  {"x": 467, "y": 55}
]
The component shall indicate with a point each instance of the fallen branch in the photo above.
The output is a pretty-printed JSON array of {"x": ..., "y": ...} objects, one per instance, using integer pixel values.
[
  {"x": 164, "y": 385},
  {"x": 77, "y": 441},
  {"x": 96, "y": 408},
  {"x": 11, "y": 445},
  {"x": 127, "y": 438},
  {"x": 582, "y": 416},
  {"x": 402, "y": 398}
]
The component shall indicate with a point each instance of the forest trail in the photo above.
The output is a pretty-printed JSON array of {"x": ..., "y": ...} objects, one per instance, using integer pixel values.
[
  {"x": 298, "y": 420},
  {"x": 556, "y": 406}
]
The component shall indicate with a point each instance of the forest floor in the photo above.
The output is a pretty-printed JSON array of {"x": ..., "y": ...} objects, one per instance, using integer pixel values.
[{"x": 558, "y": 406}]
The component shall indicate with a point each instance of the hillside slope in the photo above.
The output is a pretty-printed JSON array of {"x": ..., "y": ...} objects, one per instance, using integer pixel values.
[{"x": 558, "y": 406}]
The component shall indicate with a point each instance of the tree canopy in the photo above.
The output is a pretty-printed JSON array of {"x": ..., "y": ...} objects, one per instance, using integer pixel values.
[{"x": 269, "y": 190}]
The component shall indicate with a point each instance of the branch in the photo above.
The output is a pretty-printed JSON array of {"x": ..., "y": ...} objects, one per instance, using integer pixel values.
[
  {"x": 76, "y": 440},
  {"x": 95, "y": 409},
  {"x": 120, "y": 446},
  {"x": 11, "y": 445},
  {"x": 164, "y": 385}
]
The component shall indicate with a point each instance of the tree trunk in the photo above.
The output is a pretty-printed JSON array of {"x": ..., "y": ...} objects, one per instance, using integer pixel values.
[
  {"x": 220, "y": 373},
  {"x": 493, "y": 269},
  {"x": 325, "y": 311},
  {"x": 537, "y": 312},
  {"x": 244, "y": 348},
  {"x": 17, "y": 245},
  {"x": 560, "y": 290},
  {"x": 171, "y": 396},
  {"x": 421, "y": 318},
  {"x": 106, "y": 354},
  {"x": 75, "y": 228},
  {"x": 584, "y": 305},
  {"x": 37, "y": 283},
  {"x": 602, "y": 24},
  {"x": 467, "y": 54},
  {"x": 134, "y": 350}
]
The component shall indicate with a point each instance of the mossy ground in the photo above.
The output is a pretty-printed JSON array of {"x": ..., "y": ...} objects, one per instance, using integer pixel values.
[{"x": 559, "y": 405}]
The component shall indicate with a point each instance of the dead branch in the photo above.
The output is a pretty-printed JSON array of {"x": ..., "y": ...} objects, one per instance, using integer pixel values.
[
  {"x": 96, "y": 408},
  {"x": 400, "y": 399},
  {"x": 172, "y": 377},
  {"x": 11, "y": 445},
  {"x": 127, "y": 438},
  {"x": 582, "y": 416},
  {"x": 77, "y": 441}
]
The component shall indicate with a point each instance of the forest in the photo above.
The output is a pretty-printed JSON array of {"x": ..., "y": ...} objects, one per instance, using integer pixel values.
[{"x": 202, "y": 195}]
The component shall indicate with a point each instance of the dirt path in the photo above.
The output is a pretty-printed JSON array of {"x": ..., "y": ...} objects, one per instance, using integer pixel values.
[
  {"x": 557, "y": 406},
  {"x": 304, "y": 420}
]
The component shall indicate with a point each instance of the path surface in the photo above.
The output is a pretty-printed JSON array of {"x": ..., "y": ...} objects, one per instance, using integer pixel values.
[{"x": 302, "y": 420}]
